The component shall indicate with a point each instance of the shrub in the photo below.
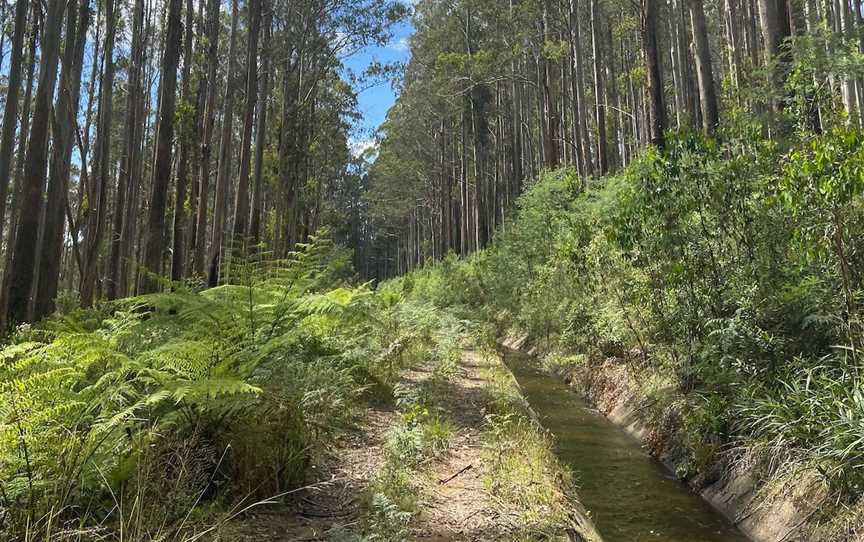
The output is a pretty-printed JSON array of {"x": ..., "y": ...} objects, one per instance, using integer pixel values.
[
  {"x": 729, "y": 267},
  {"x": 170, "y": 402}
]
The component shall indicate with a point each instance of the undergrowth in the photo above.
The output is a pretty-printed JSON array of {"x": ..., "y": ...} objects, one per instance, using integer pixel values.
[
  {"x": 153, "y": 417},
  {"x": 523, "y": 469},
  {"x": 725, "y": 275},
  {"x": 422, "y": 430}
]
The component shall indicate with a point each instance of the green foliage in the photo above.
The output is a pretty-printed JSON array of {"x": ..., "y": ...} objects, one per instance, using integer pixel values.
[
  {"x": 729, "y": 269},
  {"x": 817, "y": 410},
  {"x": 422, "y": 430},
  {"x": 392, "y": 504},
  {"x": 175, "y": 400}
]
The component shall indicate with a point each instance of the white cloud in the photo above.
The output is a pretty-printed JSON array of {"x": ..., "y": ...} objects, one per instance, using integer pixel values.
[
  {"x": 400, "y": 45},
  {"x": 360, "y": 146}
]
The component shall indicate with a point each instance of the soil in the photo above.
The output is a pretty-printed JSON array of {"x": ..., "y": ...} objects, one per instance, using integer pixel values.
[
  {"x": 333, "y": 502},
  {"x": 454, "y": 504}
]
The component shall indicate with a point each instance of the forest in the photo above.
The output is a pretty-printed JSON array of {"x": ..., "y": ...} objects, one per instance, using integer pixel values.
[{"x": 223, "y": 318}]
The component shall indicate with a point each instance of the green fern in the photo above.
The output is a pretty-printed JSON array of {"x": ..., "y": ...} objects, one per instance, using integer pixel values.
[{"x": 175, "y": 397}]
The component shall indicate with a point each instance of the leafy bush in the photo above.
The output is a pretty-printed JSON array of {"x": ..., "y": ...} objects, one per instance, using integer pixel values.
[
  {"x": 731, "y": 267},
  {"x": 137, "y": 416}
]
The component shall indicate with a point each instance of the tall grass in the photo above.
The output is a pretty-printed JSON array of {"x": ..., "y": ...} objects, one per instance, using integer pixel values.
[{"x": 815, "y": 410}]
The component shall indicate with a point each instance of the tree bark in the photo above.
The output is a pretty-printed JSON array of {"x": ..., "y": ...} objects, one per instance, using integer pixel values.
[
  {"x": 600, "y": 108},
  {"x": 120, "y": 237},
  {"x": 65, "y": 120},
  {"x": 33, "y": 187},
  {"x": 580, "y": 135},
  {"x": 704, "y": 70},
  {"x": 241, "y": 205},
  {"x": 207, "y": 137},
  {"x": 261, "y": 130},
  {"x": 657, "y": 110},
  {"x": 20, "y": 160},
  {"x": 10, "y": 111},
  {"x": 178, "y": 252},
  {"x": 96, "y": 198},
  {"x": 226, "y": 140},
  {"x": 775, "y": 28},
  {"x": 155, "y": 244}
]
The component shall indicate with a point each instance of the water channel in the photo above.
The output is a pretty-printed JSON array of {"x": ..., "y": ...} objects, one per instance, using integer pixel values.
[{"x": 631, "y": 496}]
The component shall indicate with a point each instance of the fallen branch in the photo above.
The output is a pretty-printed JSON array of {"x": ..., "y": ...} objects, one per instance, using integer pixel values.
[
  {"x": 462, "y": 470},
  {"x": 325, "y": 515}
]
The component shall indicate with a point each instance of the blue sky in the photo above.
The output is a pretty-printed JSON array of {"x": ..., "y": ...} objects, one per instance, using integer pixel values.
[{"x": 375, "y": 101}]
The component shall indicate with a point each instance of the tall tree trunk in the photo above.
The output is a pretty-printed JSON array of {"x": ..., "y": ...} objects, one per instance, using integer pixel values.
[
  {"x": 599, "y": 108},
  {"x": 704, "y": 70},
  {"x": 657, "y": 108},
  {"x": 133, "y": 232},
  {"x": 733, "y": 44},
  {"x": 200, "y": 107},
  {"x": 261, "y": 130},
  {"x": 677, "y": 65},
  {"x": 241, "y": 205},
  {"x": 33, "y": 187},
  {"x": 845, "y": 29},
  {"x": 611, "y": 78},
  {"x": 187, "y": 134},
  {"x": 580, "y": 134},
  {"x": 66, "y": 113},
  {"x": 775, "y": 25},
  {"x": 20, "y": 160},
  {"x": 10, "y": 112},
  {"x": 518, "y": 146},
  {"x": 207, "y": 137},
  {"x": 96, "y": 199},
  {"x": 291, "y": 139},
  {"x": 226, "y": 140},
  {"x": 155, "y": 246},
  {"x": 550, "y": 111},
  {"x": 120, "y": 237}
]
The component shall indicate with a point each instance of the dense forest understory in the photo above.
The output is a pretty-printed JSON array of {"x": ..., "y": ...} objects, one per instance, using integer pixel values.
[
  {"x": 285, "y": 408},
  {"x": 221, "y": 320}
]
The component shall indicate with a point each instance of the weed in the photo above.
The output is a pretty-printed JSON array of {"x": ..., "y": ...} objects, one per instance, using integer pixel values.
[{"x": 523, "y": 469}]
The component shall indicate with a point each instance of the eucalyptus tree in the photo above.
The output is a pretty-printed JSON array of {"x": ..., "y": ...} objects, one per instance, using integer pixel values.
[
  {"x": 155, "y": 244},
  {"x": 261, "y": 132},
  {"x": 21, "y": 270},
  {"x": 63, "y": 127},
  {"x": 704, "y": 68},
  {"x": 226, "y": 141},
  {"x": 97, "y": 190},
  {"x": 10, "y": 107},
  {"x": 120, "y": 241},
  {"x": 210, "y": 89},
  {"x": 241, "y": 205},
  {"x": 189, "y": 120}
]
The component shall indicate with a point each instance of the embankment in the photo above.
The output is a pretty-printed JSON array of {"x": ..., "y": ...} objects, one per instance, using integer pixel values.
[
  {"x": 792, "y": 505},
  {"x": 528, "y": 444}
]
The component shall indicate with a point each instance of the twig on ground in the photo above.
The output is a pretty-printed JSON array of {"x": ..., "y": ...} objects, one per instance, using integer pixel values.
[{"x": 462, "y": 470}]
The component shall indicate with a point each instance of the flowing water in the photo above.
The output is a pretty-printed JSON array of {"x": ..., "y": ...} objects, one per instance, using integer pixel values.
[{"x": 632, "y": 497}]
